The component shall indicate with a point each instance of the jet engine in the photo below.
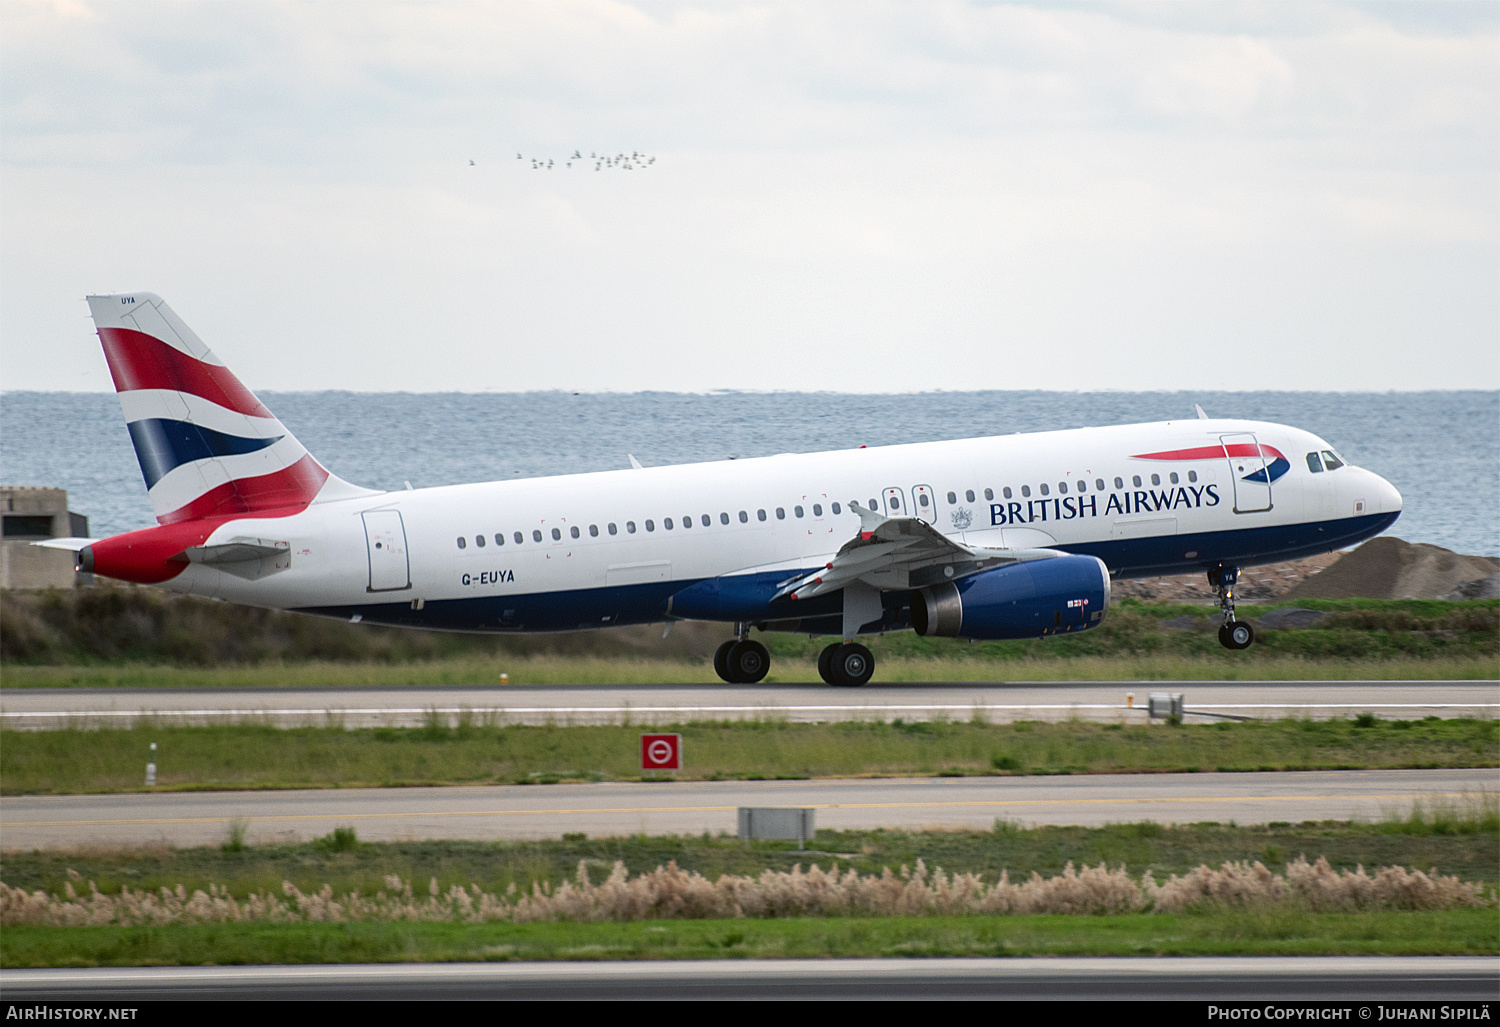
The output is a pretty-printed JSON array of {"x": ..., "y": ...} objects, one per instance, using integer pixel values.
[{"x": 1022, "y": 600}]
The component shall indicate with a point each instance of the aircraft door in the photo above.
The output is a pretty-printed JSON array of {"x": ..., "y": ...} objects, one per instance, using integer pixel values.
[
  {"x": 925, "y": 508},
  {"x": 895, "y": 503},
  {"x": 385, "y": 541},
  {"x": 1248, "y": 471}
]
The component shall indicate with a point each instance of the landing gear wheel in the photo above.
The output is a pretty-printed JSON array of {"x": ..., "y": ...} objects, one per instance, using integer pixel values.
[
  {"x": 851, "y": 664},
  {"x": 1239, "y": 635},
  {"x": 825, "y": 663},
  {"x": 748, "y": 661},
  {"x": 721, "y": 660}
]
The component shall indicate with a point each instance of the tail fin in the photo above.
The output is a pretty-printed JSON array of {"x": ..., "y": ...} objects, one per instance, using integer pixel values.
[{"x": 206, "y": 445}]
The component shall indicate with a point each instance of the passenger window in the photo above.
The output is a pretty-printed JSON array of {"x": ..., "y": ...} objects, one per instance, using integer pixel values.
[
  {"x": 462, "y": 543},
  {"x": 760, "y": 515},
  {"x": 1025, "y": 491},
  {"x": 519, "y": 538},
  {"x": 1006, "y": 492},
  {"x": 536, "y": 534},
  {"x": 499, "y": 538},
  {"x": 612, "y": 529},
  {"x": 1314, "y": 464},
  {"x": 650, "y": 525},
  {"x": 817, "y": 509},
  {"x": 922, "y": 498},
  {"x": 1099, "y": 484},
  {"x": 969, "y": 495},
  {"x": 780, "y": 514},
  {"x": 1044, "y": 489},
  {"x": 989, "y": 494},
  {"x": 593, "y": 531},
  {"x": 1156, "y": 479},
  {"x": 630, "y": 527},
  {"x": 745, "y": 517},
  {"x": 666, "y": 522},
  {"x": 1062, "y": 488},
  {"x": 573, "y": 531},
  {"x": 723, "y": 518},
  {"x": 1192, "y": 476},
  {"x": 479, "y": 541},
  {"x": 556, "y": 534},
  {"x": 1333, "y": 462},
  {"x": 797, "y": 510},
  {"x": 1136, "y": 479},
  {"x": 836, "y": 510},
  {"x": 874, "y": 505},
  {"x": 707, "y": 520},
  {"x": 1120, "y": 484},
  {"x": 953, "y": 498},
  {"x": 1083, "y": 485},
  {"x": 1172, "y": 477}
]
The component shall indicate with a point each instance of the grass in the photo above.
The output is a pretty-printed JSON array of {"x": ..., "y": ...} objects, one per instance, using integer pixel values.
[
  {"x": 1456, "y": 837},
  {"x": 1461, "y": 932},
  {"x": 561, "y": 670},
  {"x": 115, "y": 635},
  {"x": 259, "y": 756}
]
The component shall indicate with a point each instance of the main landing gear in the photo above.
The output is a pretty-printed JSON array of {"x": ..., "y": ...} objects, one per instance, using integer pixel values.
[
  {"x": 1233, "y": 634},
  {"x": 740, "y": 661},
  {"x": 846, "y": 663}
]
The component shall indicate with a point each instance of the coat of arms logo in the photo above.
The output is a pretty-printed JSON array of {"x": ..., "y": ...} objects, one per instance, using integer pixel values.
[{"x": 961, "y": 518}]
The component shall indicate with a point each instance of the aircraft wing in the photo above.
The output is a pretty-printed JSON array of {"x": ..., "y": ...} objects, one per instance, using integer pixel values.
[
  {"x": 899, "y": 553},
  {"x": 72, "y": 544}
]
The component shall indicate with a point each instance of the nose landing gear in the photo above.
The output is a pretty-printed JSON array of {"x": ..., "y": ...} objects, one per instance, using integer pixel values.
[
  {"x": 740, "y": 661},
  {"x": 1233, "y": 634}
]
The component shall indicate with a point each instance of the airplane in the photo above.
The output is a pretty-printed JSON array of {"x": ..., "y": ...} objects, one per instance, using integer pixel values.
[{"x": 1017, "y": 536}]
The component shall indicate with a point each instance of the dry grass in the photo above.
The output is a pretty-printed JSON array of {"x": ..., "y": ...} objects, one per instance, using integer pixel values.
[{"x": 669, "y": 893}]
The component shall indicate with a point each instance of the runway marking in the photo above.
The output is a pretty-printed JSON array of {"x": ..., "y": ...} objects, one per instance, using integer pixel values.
[{"x": 721, "y": 809}]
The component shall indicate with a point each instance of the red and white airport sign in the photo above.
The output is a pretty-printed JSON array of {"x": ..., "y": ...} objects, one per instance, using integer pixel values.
[{"x": 661, "y": 752}]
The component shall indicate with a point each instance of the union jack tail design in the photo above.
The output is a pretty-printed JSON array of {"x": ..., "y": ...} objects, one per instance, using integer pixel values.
[{"x": 206, "y": 445}]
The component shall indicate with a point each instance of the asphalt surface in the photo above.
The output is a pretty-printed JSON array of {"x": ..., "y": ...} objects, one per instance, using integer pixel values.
[
  {"x": 610, "y": 704},
  {"x": 692, "y": 807},
  {"x": 1364, "y": 983}
]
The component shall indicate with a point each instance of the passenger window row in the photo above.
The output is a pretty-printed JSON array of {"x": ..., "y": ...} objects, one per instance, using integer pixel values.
[
  {"x": 686, "y": 523},
  {"x": 1082, "y": 485}
]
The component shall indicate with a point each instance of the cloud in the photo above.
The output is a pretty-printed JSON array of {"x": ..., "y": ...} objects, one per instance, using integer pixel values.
[{"x": 840, "y": 189}]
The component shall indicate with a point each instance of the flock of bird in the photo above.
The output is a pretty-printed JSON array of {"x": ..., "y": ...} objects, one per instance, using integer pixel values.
[{"x": 632, "y": 161}]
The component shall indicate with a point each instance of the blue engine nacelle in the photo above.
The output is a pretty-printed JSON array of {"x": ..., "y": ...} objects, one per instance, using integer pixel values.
[{"x": 1023, "y": 600}]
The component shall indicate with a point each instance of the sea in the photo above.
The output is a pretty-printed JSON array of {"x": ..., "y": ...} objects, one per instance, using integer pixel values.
[{"x": 1441, "y": 449}]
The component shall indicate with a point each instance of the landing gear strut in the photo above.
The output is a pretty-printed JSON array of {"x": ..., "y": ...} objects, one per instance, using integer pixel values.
[
  {"x": 846, "y": 663},
  {"x": 1233, "y": 634},
  {"x": 740, "y": 661}
]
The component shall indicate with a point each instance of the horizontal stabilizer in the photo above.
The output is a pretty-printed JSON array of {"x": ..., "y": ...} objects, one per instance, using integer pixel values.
[
  {"x": 71, "y": 544},
  {"x": 237, "y": 550}
]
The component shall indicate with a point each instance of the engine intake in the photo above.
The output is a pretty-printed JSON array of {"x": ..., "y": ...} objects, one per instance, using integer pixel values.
[{"x": 1023, "y": 600}]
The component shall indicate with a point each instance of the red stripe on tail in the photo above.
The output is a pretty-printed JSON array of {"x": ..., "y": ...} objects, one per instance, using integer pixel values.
[
  {"x": 291, "y": 487},
  {"x": 141, "y": 361}
]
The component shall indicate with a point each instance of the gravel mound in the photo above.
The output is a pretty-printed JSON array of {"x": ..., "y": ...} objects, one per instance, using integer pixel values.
[{"x": 1388, "y": 568}]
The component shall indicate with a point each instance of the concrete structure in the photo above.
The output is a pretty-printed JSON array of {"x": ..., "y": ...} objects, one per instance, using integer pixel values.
[{"x": 29, "y": 514}]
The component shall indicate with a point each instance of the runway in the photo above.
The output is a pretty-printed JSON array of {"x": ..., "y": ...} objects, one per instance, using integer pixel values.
[
  {"x": 1109, "y": 701},
  {"x": 692, "y": 807},
  {"x": 1362, "y": 982}
]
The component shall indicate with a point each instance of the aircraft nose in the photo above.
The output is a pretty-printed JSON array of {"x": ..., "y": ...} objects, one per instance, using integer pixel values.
[{"x": 1390, "y": 496}]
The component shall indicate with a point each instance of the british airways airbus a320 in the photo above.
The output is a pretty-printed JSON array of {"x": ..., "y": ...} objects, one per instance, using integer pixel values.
[{"x": 1009, "y": 537}]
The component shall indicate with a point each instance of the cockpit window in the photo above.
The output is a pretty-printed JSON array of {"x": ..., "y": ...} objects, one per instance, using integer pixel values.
[
  {"x": 1332, "y": 461},
  {"x": 1314, "y": 464}
]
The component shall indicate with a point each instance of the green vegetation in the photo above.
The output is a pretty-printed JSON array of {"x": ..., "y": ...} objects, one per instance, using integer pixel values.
[
  {"x": 115, "y": 635},
  {"x": 1459, "y": 837},
  {"x": 474, "y": 752},
  {"x": 1451, "y": 932}
]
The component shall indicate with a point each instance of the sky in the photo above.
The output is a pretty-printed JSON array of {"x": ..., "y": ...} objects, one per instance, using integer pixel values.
[{"x": 850, "y": 197}]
